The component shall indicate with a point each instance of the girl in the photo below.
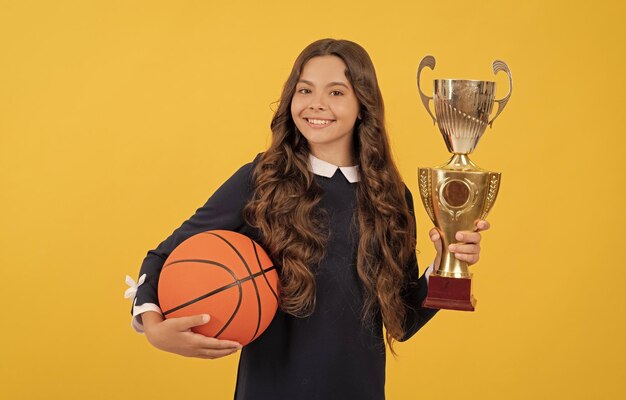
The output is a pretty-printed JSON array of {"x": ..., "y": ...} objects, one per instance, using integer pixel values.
[{"x": 327, "y": 203}]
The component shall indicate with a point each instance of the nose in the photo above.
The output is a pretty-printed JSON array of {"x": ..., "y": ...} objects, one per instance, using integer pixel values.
[{"x": 317, "y": 104}]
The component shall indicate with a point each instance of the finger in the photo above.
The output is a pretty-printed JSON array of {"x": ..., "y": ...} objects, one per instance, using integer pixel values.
[
  {"x": 213, "y": 354},
  {"x": 213, "y": 343},
  {"x": 469, "y": 258},
  {"x": 464, "y": 248},
  {"x": 482, "y": 225},
  {"x": 468, "y": 237},
  {"x": 185, "y": 323},
  {"x": 434, "y": 235}
]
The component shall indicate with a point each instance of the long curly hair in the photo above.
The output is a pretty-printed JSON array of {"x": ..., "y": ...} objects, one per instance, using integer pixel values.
[{"x": 285, "y": 195}]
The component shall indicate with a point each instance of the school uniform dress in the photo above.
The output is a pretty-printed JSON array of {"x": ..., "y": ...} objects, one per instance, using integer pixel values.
[{"x": 331, "y": 354}]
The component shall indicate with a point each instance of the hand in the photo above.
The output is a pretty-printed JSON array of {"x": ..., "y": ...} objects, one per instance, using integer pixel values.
[
  {"x": 175, "y": 336},
  {"x": 466, "y": 249}
]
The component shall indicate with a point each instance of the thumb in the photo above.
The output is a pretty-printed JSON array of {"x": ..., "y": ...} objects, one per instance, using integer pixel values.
[
  {"x": 194, "y": 320},
  {"x": 435, "y": 237}
]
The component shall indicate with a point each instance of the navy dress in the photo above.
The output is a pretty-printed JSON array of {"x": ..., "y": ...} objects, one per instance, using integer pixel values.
[{"x": 331, "y": 354}]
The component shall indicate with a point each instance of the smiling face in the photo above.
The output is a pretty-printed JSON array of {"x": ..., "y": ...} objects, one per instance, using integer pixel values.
[{"x": 325, "y": 108}]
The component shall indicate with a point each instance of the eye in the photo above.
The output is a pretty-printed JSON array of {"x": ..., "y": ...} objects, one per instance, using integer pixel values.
[
  {"x": 304, "y": 91},
  {"x": 336, "y": 93}
]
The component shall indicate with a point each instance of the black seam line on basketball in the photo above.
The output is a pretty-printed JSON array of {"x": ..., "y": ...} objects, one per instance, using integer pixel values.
[
  {"x": 256, "y": 254},
  {"x": 224, "y": 267},
  {"x": 204, "y": 296},
  {"x": 238, "y": 282},
  {"x": 256, "y": 288},
  {"x": 261, "y": 268},
  {"x": 213, "y": 263},
  {"x": 268, "y": 269}
]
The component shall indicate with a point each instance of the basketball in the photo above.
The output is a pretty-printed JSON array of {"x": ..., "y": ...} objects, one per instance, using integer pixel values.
[{"x": 226, "y": 275}]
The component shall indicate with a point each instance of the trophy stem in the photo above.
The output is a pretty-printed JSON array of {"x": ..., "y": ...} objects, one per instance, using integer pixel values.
[
  {"x": 460, "y": 162},
  {"x": 450, "y": 266}
]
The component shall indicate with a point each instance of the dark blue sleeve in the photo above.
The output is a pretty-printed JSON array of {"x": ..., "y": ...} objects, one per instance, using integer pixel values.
[
  {"x": 223, "y": 210},
  {"x": 414, "y": 290}
]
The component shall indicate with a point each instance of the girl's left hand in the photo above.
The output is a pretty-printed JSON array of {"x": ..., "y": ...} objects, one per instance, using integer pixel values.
[{"x": 468, "y": 246}]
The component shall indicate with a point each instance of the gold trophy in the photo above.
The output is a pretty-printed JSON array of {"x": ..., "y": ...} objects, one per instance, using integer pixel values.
[{"x": 459, "y": 193}]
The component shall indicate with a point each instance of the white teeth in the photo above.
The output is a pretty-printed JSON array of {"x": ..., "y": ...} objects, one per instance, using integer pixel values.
[{"x": 319, "y": 121}]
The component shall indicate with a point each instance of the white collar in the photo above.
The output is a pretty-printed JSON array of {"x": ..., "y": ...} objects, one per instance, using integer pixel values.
[{"x": 326, "y": 169}]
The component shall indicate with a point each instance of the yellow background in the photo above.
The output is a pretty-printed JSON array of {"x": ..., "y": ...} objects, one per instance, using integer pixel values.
[{"x": 119, "y": 118}]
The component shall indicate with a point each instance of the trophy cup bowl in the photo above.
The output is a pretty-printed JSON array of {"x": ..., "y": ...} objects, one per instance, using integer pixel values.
[
  {"x": 459, "y": 193},
  {"x": 462, "y": 108}
]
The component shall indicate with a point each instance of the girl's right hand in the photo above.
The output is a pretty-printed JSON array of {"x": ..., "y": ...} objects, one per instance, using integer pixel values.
[{"x": 175, "y": 336}]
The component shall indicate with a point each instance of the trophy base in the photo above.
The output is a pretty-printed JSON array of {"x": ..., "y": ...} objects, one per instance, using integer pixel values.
[{"x": 450, "y": 294}]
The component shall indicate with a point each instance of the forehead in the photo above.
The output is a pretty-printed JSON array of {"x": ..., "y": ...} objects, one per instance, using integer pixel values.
[{"x": 324, "y": 69}]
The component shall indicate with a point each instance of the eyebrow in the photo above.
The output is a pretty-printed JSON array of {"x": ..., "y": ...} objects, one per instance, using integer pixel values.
[{"x": 330, "y": 84}]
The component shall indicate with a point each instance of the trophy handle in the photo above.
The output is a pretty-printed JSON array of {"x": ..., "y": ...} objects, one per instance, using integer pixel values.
[
  {"x": 498, "y": 66},
  {"x": 428, "y": 61}
]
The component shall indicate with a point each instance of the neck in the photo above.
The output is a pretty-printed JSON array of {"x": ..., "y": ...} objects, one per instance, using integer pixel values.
[{"x": 335, "y": 157}]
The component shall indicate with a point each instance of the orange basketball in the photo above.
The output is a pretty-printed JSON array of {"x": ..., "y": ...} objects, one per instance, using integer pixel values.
[{"x": 226, "y": 275}]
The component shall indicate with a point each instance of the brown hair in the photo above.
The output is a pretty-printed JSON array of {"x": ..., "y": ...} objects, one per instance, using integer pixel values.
[{"x": 285, "y": 195}]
